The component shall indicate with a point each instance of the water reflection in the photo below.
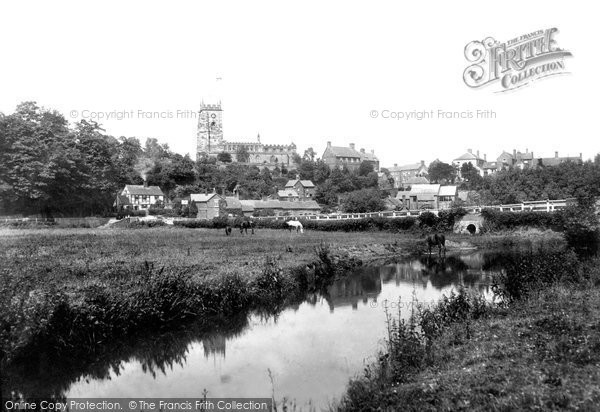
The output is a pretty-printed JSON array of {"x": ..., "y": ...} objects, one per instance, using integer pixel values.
[{"x": 312, "y": 348}]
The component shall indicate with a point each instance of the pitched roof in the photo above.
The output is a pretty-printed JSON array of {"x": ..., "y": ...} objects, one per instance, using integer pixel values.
[
  {"x": 305, "y": 183},
  {"x": 341, "y": 151},
  {"x": 433, "y": 188},
  {"x": 525, "y": 156},
  {"x": 448, "y": 190},
  {"x": 202, "y": 197},
  {"x": 403, "y": 168},
  {"x": 143, "y": 190},
  {"x": 247, "y": 205},
  {"x": 468, "y": 156},
  {"x": 232, "y": 202},
  {"x": 553, "y": 161},
  {"x": 505, "y": 154}
]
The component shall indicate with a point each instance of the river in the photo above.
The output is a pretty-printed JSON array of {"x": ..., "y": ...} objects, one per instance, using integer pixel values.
[{"x": 306, "y": 354}]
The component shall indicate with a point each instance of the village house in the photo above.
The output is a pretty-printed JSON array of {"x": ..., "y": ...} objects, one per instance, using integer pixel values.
[
  {"x": 338, "y": 156},
  {"x": 139, "y": 197},
  {"x": 524, "y": 160},
  {"x": 556, "y": 160},
  {"x": 508, "y": 161},
  {"x": 209, "y": 205},
  {"x": 473, "y": 158},
  {"x": 428, "y": 196},
  {"x": 305, "y": 189},
  {"x": 402, "y": 174}
]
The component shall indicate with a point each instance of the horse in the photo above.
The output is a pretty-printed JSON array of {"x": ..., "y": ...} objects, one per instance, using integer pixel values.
[
  {"x": 245, "y": 225},
  {"x": 438, "y": 240},
  {"x": 294, "y": 224}
]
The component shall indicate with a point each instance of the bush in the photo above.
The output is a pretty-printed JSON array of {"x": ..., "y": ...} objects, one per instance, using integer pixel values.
[
  {"x": 526, "y": 273},
  {"x": 427, "y": 220},
  {"x": 496, "y": 220}
]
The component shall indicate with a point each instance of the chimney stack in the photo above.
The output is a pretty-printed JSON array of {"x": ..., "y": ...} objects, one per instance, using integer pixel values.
[
  {"x": 362, "y": 150},
  {"x": 422, "y": 162},
  {"x": 470, "y": 151},
  {"x": 485, "y": 157},
  {"x": 328, "y": 144},
  {"x": 352, "y": 146},
  {"x": 145, "y": 183},
  {"x": 372, "y": 151},
  {"x": 395, "y": 164},
  {"x": 581, "y": 155},
  {"x": 477, "y": 153},
  {"x": 555, "y": 154}
]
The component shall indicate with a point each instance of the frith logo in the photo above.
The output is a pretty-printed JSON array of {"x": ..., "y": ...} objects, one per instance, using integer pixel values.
[{"x": 515, "y": 63}]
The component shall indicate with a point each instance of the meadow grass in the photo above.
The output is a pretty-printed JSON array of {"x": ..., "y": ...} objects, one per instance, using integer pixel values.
[{"x": 72, "y": 289}]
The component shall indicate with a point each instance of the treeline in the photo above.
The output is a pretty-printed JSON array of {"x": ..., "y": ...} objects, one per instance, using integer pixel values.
[
  {"x": 50, "y": 168},
  {"x": 566, "y": 180}
]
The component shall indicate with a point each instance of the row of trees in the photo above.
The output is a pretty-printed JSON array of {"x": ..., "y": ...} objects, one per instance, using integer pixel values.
[
  {"x": 566, "y": 180},
  {"x": 48, "y": 167}
]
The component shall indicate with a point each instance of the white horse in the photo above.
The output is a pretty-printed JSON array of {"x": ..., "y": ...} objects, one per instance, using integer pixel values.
[{"x": 296, "y": 225}]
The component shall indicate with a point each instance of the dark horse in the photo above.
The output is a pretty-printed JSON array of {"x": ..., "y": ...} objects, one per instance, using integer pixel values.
[
  {"x": 438, "y": 240},
  {"x": 245, "y": 225}
]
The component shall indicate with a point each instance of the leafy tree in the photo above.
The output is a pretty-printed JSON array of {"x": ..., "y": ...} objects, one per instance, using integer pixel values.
[
  {"x": 224, "y": 157},
  {"x": 470, "y": 175},
  {"x": 362, "y": 201},
  {"x": 365, "y": 168},
  {"x": 440, "y": 172},
  {"x": 309, "y": 155}
]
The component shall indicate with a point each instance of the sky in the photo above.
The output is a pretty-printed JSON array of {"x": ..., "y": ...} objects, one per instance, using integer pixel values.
[{"x": 304, "y": 72}]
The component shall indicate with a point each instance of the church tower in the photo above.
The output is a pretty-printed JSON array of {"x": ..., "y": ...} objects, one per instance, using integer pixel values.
[{"x": 209, "y": 136}]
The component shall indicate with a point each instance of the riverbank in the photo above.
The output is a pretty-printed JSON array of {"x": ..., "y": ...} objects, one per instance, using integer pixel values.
[
  {"x": 541, "y": 352},
  {"x": 73, "y": 290}
]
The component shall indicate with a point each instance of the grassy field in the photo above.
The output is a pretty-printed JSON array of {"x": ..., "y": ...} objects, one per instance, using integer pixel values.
[
  {"x": 70, "y": 289},
  {"x": 69, "y": 255}
]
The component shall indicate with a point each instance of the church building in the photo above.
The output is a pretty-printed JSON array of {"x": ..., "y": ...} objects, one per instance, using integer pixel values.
[{"x": 211, "y": 142}]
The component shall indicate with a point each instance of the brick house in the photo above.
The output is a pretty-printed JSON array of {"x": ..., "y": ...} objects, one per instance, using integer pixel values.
[
  {"x": 405, "y": 173},
  {"x": 338, "y": 156},
  {"x": 209, "y": 205},
  {"x": 305, "y": 189}
]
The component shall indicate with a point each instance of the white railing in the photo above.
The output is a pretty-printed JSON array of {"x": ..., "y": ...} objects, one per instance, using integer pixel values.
[{"x": 531, "y": 206}]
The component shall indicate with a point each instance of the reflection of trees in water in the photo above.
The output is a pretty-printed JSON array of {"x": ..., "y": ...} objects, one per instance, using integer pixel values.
[
  {"x": 355, "y": 287},
  {"x": 42, "y": 375},
  {"x": 468, "y": 270},
  {"x": 45, "y": 375}
]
